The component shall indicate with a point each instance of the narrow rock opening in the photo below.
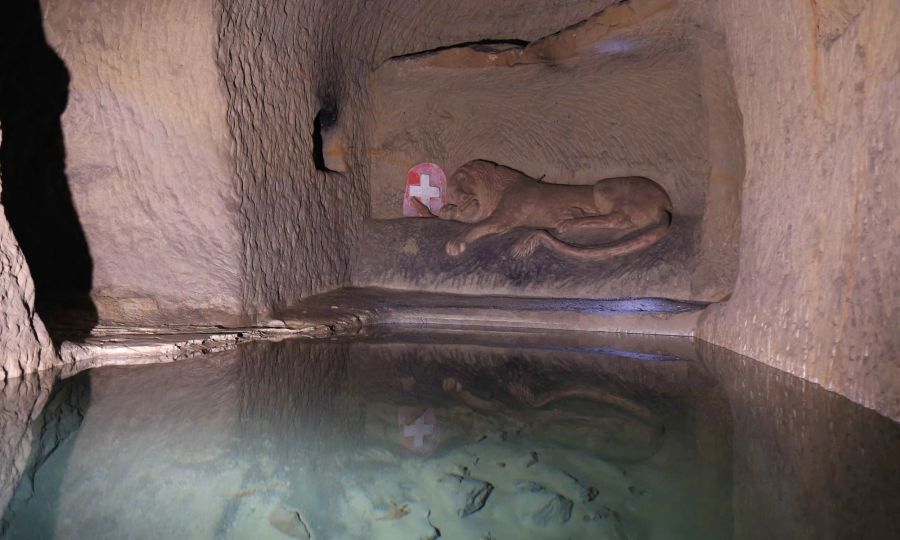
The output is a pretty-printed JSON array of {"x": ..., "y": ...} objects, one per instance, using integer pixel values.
[{"x": 325, "y": 119}]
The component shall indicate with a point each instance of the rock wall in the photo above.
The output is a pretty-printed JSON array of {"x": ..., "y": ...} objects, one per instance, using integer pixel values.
[
  {"x": 148, "y": 158},
  {"x": 818, "y": 293},
  {"x": 24, "y": 343},
  {"x": 600, "y": 103},
  {"x": 635, "y": 89},
  {"x": 189, "y": 137},
  {"x": 282, "y": 63},
  {"x": 297, "y": 73}
]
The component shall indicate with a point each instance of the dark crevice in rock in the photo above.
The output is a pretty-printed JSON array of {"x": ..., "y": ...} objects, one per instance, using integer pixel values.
[
  {"x": 484, "y": 45},
  {"x": 325, "y": 118}
]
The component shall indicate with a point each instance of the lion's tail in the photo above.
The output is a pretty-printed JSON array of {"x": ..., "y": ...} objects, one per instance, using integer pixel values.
[{"x": 601, "y": 253}]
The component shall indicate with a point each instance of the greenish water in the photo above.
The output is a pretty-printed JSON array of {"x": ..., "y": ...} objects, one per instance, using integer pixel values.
[{"x": 454, "y": 435}]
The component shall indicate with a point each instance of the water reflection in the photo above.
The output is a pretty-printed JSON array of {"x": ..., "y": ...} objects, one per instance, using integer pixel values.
[
  {"x": 465, "y": 435},
  {"x": 421, "y": 430}
]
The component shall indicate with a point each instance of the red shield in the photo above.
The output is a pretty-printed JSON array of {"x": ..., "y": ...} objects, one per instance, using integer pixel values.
[{"x": 426, "y": 182}]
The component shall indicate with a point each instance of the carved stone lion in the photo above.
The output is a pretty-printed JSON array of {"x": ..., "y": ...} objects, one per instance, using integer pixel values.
[{"x": 613, "y": 217}]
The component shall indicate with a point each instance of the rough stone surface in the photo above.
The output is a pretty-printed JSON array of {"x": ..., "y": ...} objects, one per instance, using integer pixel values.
[
  {"x": 24, "y": 343},
  {"x": 286, "y": 61},
  {"x": 469, "y": 495},
  {"x": 148, "y": 158},
  {"x": 633, "y": 90},
  {"x": 410, "y": 254},
  {"x": 818, "y": 293},
  {"x": 282, "y": 63},
  {"x": 353, "y": 309}
]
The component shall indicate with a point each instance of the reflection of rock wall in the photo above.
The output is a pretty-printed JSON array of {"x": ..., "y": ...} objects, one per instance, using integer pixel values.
[
  {"x": 21, "y": 402},
  {"x": 328, "y": 389},
  {"x": 818, "y": 293},
  {"x": 504, "y": 410},
  {"x": 298, "y": 387},
  {"x": 24, "y": 343},
  {"x": 807, "y": 463},
  {"x": 41, "y": 411}
]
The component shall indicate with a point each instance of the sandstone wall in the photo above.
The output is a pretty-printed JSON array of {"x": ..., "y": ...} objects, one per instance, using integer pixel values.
[
  {"x": 636, "y": 89},
  {"x": 818, "y": 293},
  {"x": 24, "y": 343},
  {"x": 283, "y": 63},
  {"x": 148, "y": 157},
  {"x": 188, "y": 140}
]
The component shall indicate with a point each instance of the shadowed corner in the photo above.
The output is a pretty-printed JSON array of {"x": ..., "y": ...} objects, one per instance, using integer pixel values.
[{"x": 34, "y": 91}]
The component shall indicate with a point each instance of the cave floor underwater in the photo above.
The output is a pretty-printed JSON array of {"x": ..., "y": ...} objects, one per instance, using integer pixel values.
[{"x": 402, "y": 432}]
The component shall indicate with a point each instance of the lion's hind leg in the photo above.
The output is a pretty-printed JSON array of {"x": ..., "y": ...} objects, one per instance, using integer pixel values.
[{"x": 594, "y": 229}]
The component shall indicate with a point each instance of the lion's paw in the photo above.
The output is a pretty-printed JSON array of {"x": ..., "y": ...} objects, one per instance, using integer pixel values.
[{"x": 455, "y": 248}]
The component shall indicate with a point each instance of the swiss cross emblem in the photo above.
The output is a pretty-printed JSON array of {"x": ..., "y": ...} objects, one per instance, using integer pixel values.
[
  {"x": 426, "y": 182},
  {"x": 419, "y": 431}
]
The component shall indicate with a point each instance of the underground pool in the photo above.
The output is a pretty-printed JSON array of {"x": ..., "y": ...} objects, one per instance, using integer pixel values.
[{"x": 452, "y": 434}]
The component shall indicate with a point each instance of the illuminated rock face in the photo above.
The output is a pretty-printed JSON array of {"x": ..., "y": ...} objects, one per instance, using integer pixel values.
[
  {"x": 224, "y": 161},
  {"x": 814, "y": 292},
  {"x": 818, "y": 293},
  {"x": 24, "y": 345},
  {"x": 148, "y": 159},
  {"x": 632, "y": 90}
]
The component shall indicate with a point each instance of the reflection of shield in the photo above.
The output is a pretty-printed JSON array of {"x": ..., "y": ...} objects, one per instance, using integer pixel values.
[
  {"x": 419, "y": 432},
  {"x": 426, "y": 182}
]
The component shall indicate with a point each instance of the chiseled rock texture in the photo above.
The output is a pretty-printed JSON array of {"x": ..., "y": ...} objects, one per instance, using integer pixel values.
[
  {"x": 818, "y": 293},
  {"x": 149, "y": 158},
  {"x": 24, "y": 343},
  {"x": 282, "y": 62},
  {"x": 286, "y": 63},
  {"x": 638, "y": 89}
]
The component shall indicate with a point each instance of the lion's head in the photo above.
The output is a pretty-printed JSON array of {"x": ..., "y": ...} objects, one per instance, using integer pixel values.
[{"x": 475, "y": 189}]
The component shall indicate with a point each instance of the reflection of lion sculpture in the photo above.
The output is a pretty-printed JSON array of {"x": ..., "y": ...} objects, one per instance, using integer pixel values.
[{"x": 613, "y": 217}]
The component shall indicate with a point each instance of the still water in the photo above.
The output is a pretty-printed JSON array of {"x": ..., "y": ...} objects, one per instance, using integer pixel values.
[{"x": 454, "y": 435}]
